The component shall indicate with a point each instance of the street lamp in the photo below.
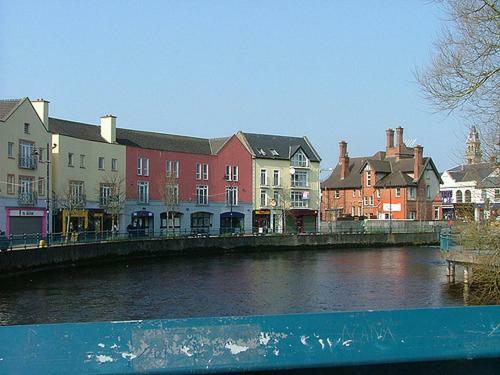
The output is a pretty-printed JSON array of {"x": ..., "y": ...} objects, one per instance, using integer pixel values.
[{"x": 48, "y": 190}]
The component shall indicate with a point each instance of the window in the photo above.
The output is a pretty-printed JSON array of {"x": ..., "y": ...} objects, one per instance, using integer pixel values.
[
  {"x": 428, "y": 192},
  {"x": 412, "y": 215},
  {"x": 353, "y": 211},
  {"x": 41, "y": 186},
  {"x": 276, "y": 197},
  {"x": 299, "y": 159},
  {"x": 468, "y": 196},
  {"x": 227, "y": 176},
  {"x": 372, "y": 200},
  {"x": 497, "y": 194},
  {"x": 172, "y": 194},
  {"x": 11, "y": 182},
  {"x": 436, "y": 213},
  {"x": 337, "y": 194},
  {"x": 143, "y": 192},
  {"x": 300, "y": 179},
  {"x": 276, "y": 177},
  {"x": 398, "y": 192},
  {"x": 70, "y": 159},
  {"x": 235, "y": 173},
  {"x": 274, "y": 152},
  {"x": 205, "y": 171},
  {"x": 353, "y": 195},
  {"x": 100, "y": 162},
  {"x": 459, "y": 196},
  {"x": 261, "y": 152},
  {"x": 201, "y": 194},
  {"x": 142, "y": 166},
  {"x": 172, "y": 168},
  {"x": 412, "y": 192},
  {"x": 231, "y": 196},
  {"x": 365, "y": 200},
  {"x": 378, "y": 193},
  {"x": 26, "y": 156},
  {"x": 82, "y": 161},
  {"x": 10, "y": 149},
  {"x": 114, "y": 164},
  {"x": 77, "y": 193},
  {"x": 263, "y": 198},
  {"x": 369, "y": 178},
  {"x": 104, "y": 194},
  {"x": 26, "y": 128},
  {"x": 198, "y": 171},
  {"x": 263, "y": 177},
  {"x": 26, "y": 189},
  {"x": 300, "y": 199}
]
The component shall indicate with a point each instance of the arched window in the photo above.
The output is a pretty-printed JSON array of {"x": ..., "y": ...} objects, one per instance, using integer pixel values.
[
  {"x": 459, "y": 196},
  {"x": 467, "y": 196}
]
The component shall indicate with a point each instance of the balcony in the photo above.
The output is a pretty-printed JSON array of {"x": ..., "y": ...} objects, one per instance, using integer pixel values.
[
  {"x": 28, "y": 162},
  {"x": 26, "y": 198}
]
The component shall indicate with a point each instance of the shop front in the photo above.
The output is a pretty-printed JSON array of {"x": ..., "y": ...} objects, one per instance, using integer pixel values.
[
  {"x": 20, "y": 221},
  {"x": 142, "y": 223},
  {"x": 232, "y": 222},
  {"x": 201, "y": 222},
  {"x": 301, "y": 221},
  {"x": 261, "y": 221},
  {"x": 171, "y": 225}
]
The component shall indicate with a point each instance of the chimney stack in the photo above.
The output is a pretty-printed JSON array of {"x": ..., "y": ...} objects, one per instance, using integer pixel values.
[
  {"x": 108, "y": 128},
  {"x": 42, "y": 109},
  {"x": 390, "y": 138},
  {"x": 343, "y": 159},
  {"x": 399, "y": 136},
  {"x": 419, "y": 161}
]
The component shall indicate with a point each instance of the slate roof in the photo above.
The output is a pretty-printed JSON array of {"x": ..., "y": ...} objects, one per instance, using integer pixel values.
[
  {"x": 285, "y": 146},
  {"x": 75, "y": 129},
  {"x": 397, "y": 172},
  {"x": 7, "y": 106},
  {"x": 217, "y": 143},
  {"x": 471, "y": 172},
  {"x": 490, "y": 182}
]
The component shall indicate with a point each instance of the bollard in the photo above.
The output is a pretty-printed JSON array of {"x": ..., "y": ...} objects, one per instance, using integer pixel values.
[{"x": 41, "y": 243}]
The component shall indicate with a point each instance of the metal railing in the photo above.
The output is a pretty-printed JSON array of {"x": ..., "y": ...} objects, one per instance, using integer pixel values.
[
  {"x": 28, "y": 162},
  {"x": 32, "y": 240},
  {"x": 27, "y": 198}
]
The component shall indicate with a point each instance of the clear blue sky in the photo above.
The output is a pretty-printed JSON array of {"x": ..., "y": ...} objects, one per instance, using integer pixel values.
[{"x": 330, "y": 70}]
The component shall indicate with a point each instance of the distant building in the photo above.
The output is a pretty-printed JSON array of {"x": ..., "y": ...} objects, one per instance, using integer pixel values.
[
  {"x": 285, "y": 182},
  {"x": 471, "y": 191},
  {"x": 398, "y": 183},
  {"x": 24, "y": 171}
]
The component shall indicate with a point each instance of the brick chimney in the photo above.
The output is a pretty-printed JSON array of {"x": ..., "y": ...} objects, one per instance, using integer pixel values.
[
  {"x": 390, "y": 138},
  {"x": 418, "y": 162},
  {"x": 343, "y": 160},
  {"x": 108, "y": 128},
  {"x": 399, "y": 136}
]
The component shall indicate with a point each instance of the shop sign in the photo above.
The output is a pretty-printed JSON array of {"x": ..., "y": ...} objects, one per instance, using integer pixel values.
[
  {"x": 392, "y": 207},
  {"x": 26, "y": 213},
  {"x": 262, "y": 212}
]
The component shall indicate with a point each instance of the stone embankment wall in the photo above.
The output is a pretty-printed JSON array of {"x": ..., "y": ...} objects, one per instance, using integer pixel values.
[{"x": 15, "y": 261}]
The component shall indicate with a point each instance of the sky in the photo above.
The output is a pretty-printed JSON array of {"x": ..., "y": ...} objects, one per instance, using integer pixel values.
[{"x": 330, "y": 70}]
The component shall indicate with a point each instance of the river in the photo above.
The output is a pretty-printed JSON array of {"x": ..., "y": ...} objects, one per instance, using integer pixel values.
[{"x": 232, "y": 284}]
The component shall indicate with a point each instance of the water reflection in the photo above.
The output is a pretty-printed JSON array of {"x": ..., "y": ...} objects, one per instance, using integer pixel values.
[{"x": 232, "y": 284}]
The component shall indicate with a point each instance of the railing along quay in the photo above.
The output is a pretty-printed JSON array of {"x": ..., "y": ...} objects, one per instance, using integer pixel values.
[{"x": 461, "y": 340}]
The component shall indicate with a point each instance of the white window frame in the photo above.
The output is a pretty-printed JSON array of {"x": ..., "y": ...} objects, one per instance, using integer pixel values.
[
  {"x": 228, "y": 175},
  {"x": 276, "y": 177},
  {"x": 236, "y": 173},
  {"x": 10, "y": 149},
  {"x": 114, "y": 164},
  {"x": 205, "y": 171},
  {"x": 368, "y": 178},
  {"x": 139, "y": 166},
  {"x": 299, "y": 159},
  {"x": 144, "y": 196},
  {"x": 263, "y": 173},
  {"x": 202, "y": 195},
  {"x": 231, "y": 196},
  {"x": 198, "y": 171},
  {"x": 264, "y": 198}
]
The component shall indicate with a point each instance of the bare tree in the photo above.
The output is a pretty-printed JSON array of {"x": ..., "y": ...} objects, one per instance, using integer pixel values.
[
  {"x": 112, "y": 196},
  {"x": 464, "y": 72},
  {"x": 169, "y": 192},
  {"x": 71, "y": 199}
]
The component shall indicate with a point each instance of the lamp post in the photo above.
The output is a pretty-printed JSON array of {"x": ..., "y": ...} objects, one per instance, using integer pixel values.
[
  {"x": 320, "y": 197},
  {"x": 48, "y": 190}
]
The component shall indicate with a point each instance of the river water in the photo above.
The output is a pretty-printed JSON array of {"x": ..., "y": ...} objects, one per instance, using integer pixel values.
[{"x": 232, "y": 284}]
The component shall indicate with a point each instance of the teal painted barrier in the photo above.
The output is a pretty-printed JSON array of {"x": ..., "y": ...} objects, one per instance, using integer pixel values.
[{"x": 403, "y": 340}]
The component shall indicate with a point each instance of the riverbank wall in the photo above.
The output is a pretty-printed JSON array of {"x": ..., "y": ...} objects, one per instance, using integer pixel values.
[{"x": 28, "y": 260}]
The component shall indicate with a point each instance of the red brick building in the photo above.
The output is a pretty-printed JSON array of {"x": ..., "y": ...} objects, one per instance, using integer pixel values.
[{"x": 399, "y": 182}]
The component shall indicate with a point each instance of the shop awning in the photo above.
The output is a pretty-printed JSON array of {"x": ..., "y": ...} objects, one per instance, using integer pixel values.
[{"x": 238, "y": 215}]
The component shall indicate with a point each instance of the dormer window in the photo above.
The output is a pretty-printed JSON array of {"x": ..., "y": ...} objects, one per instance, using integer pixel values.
[
  {"x": 274, "y": 152},
  {"x": 299, "y": 159},
  {"x": 261, "y": 152}
]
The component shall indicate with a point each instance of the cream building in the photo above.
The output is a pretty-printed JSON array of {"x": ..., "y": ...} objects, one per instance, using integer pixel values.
[
  {"x": 24, "y": 171},
  {"x": 88, "y": 175},
  {"x": 285, "y": 183}
]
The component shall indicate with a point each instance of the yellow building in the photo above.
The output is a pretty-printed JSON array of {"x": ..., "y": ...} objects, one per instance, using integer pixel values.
[
  {"x": 285, "y": 183},
  {"x": 24, "y": 170},
  {"x": 88, "y": 175}
]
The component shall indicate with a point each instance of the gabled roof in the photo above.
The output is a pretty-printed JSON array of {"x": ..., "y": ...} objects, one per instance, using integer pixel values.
[
  {"x": 8, "y": 106},
  {"x": 217, "y": 143},
  {"x": 490, "y": 182},
  {"x": 382, "y": 166},
  {"x": 278, "y": 146},
  {"x": 471, "y": 172},
  {"x": 75, "y": 129},
  {"x": 163, "y": 142},
  {"x": 352, "y": 180}
]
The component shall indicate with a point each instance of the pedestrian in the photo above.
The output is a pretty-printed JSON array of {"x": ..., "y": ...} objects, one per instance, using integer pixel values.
[{"x": 129, "y": 230}]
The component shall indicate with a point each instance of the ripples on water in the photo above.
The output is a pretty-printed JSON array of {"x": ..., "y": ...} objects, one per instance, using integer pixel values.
[{"x": 232, "y": 284}]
